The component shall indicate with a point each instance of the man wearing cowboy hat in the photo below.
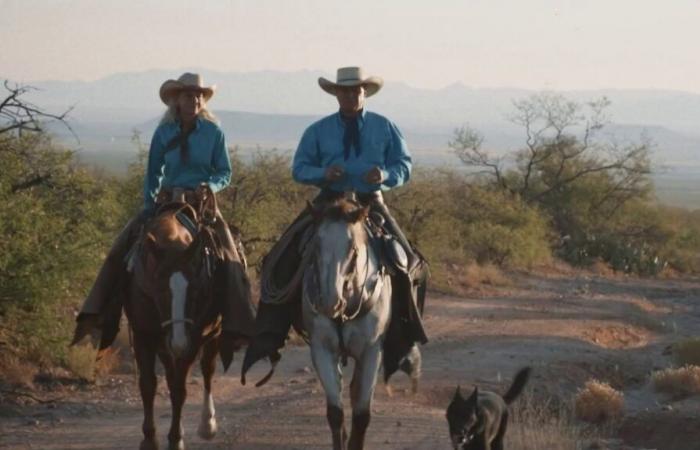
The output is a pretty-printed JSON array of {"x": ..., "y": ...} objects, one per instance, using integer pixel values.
[{"x": 350, "y": 150}]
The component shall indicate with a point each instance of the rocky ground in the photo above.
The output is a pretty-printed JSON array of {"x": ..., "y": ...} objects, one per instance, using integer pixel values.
[{"x": 569, "y": 327}]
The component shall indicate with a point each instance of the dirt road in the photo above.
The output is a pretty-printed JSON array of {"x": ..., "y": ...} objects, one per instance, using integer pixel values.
[{"x": 569, "y": 328}]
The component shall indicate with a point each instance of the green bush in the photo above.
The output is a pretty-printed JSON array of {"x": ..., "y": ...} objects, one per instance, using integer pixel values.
[
  {"x": 58, "y": 220},
  {"x": 456, "y": 221}
]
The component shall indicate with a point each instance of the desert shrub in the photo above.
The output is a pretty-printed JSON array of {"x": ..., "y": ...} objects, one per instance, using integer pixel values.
[
  {"x": 474, "y": 275},
  {"x": 453, "y": 220},
  {"x": 15, "y": 371},
  {"x": 595, "y": 191},
  {"x": 598, "y": 402},
  {"x": 543, "y": 425},
  {"x": 81, "y": 361},
  {"x": 680, "y": 381},
  {"x": 682, "y": 249},
  {"x": 263, "y": 200},
  {"x": 687, "y": 352},
  {"x": 61, "y": 219},
  {"x": 499, "y": 228}
]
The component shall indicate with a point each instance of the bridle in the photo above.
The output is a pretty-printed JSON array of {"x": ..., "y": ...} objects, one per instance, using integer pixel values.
[{"x": 350, "y": 274}]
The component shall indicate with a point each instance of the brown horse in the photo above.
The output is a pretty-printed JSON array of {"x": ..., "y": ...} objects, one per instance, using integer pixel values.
[{"x": 171, "y": 309}]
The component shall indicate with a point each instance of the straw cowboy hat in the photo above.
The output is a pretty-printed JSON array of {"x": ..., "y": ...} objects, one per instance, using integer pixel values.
[
  {"x": 186, "y": 81},
  {"x": 352, "y": 76}
]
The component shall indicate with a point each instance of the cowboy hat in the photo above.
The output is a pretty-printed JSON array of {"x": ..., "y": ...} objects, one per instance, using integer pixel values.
[
  {"x": 352, "y": 76},
  {"x": 186, "y": 81}
]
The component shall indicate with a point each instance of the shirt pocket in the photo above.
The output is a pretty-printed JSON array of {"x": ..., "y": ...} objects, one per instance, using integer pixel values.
[
  {"x": 330, "y": 150},
  {"x": 375, "y": 151}
]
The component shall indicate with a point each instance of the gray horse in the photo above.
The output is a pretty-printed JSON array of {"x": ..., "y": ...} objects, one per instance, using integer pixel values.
[{"x": 346, "y": 310}]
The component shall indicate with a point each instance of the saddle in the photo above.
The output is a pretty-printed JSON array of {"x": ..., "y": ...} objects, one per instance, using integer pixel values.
[
  {"x": 393, "y": 256},
  {"x": 196, "y": 214}
]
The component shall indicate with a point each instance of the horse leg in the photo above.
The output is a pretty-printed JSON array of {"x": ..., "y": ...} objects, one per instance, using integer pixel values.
[
  {"x": 327, "y": 364},
  {"x": 364, "y": 378},
  {"x": 414, "y": 362},
  {"x": 176, "y": 374},
  {"x": 207, "y": 426},
  {"x": 145, "y": 352}
]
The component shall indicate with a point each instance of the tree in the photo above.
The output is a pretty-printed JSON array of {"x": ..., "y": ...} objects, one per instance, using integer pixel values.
[
  {"x": 561, "y": 148},
  {"x": 570, "y": 170},
  {"x": 19, "y": 115}
]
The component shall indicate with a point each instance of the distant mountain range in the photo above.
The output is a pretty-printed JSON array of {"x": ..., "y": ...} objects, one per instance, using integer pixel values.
[{"x": 271, "y": 109}]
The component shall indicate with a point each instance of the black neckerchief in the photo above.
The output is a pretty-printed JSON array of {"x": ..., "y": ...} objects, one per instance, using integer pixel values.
[
  {"x": 351, "y": 137},
  {"x": 180, "y": 140}
]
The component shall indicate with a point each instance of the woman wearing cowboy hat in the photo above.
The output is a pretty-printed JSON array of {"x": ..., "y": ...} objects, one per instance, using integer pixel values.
[{"x": 188, "y": 154}]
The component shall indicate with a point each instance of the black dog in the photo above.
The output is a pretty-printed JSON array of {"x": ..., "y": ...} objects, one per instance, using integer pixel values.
[{"x": 479, "y": 422}]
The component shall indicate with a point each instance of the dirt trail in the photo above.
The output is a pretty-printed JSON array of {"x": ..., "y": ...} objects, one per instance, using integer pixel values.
[{"x": 568, "y": 328}]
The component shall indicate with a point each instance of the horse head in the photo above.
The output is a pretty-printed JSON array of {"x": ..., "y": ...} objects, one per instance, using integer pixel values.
[
  {"x": 173, "y": 275},
  {"x": 341, "y": 255}
]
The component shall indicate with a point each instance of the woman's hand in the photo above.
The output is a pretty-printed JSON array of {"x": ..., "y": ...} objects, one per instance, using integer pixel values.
[{"x": 202, "y": 192}]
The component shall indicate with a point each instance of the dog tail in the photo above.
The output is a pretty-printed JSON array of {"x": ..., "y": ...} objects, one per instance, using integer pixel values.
[{"x": 518, "y": 384}]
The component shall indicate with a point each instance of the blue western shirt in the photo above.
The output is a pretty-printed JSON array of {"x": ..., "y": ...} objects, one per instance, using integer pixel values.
[
  {"x": 381, "y": 144},
  {"x": 207, "y": 160}
]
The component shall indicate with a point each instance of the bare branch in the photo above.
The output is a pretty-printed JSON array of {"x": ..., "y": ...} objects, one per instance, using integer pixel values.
[{"x": 21, "y": 115}]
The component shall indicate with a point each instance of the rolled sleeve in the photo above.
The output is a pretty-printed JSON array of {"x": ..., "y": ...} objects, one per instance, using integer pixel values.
[
  {"x": 398, "y": 160},
  {"x": 154, "y": 171},
  {"x": 221, "y": 165}
]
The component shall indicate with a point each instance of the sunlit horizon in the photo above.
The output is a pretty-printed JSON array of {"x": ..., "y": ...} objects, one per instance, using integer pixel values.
[{"x": 535, "y": 45}]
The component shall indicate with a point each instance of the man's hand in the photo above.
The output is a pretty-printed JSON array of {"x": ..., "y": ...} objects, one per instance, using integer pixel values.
[
  {"x": 374, "y": 176},
  {"x": 334, "y": 173}
]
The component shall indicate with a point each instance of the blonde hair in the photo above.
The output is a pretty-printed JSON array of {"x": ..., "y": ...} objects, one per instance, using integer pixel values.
[{"x": 171, "y": 114}]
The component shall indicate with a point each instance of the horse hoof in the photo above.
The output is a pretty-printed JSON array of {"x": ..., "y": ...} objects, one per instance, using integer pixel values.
[
  {"x": 207, "y": 429},
  {"x": 179, "y": 445},
  {"x": 414, "y": 386},
  {"x": 148, "y": 444},
  {"x": 389, "y": 391}
]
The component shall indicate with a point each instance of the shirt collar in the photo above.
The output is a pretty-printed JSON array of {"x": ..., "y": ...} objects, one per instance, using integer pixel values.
[
  {"x": 197, "y": 123},
  {"x": 361, "y": 118}
]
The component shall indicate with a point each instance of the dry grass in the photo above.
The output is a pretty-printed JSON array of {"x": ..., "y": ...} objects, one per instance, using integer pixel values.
[
  {"x": 598, "y": 402},
  {"x": 602, "y": 269},
  {"x": 473, "y": 276},
  {"x": 15, "y": 371},
  {"x": 110, "y": 361},
  {"x": 458, "y": 279},
  {"x": 687, "y": 352},
  {"x": 679, "y": 382},
  {"x": 80, "y": 361},
  {"x": 542, "y": 425}
]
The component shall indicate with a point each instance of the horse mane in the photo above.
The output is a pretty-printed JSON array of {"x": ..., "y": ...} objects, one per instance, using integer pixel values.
[
  {"x": 168, "y": 233},
  {"x": 345, "y": 210}
]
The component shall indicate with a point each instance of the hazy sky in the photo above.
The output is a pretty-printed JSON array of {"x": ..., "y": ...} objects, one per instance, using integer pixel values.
[{"x": 427, "y": 43}]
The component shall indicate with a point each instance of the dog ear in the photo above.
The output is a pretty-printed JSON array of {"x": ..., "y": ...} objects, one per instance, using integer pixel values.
[
  {"x": 458, "y": 394},
  {"x": 474, "y": 397}
]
